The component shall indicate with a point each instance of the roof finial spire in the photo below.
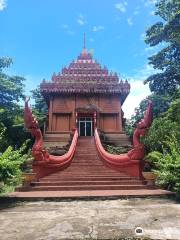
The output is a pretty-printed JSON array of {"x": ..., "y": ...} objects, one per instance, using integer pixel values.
[
  {"x": 84, "y": 47},
  {"x": 84, "y": 40}
]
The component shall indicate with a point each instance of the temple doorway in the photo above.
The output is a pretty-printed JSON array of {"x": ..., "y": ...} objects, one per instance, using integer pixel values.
[{"x": 85, "y": 125}]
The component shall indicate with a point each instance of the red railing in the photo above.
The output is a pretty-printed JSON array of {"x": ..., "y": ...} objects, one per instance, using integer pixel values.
[
  {"x": 121, "y": 162},
  {"x": 110, "y": 158},
  {"x": 67, "y": 157},
  {"x": 53, "y": 163}
]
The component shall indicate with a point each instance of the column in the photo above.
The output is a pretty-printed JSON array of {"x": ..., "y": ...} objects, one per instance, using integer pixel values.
[{"x": 50, "y": 113}]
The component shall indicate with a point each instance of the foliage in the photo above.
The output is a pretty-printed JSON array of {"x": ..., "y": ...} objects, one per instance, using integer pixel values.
[
  {"x": 116, "y": 149},
  {"x": 129, "y": 128},
  {"x": 40, "y": 107},
  {"x": 40, "y": 104},
  {"x": 11, "y": 87},
  {"x": 11, "y": 113},
  {"x": 167, "y": 60},
  {"x": 163, "y": 138},
  {"x": 160, "y": 105},
  {"x": 12, "y": 132},
  {"x": 2, "y": 134},
  {"x": 11, "y": 165},
  {"x": 167, "y": 164},
  {"x": 164, "y": 128}
]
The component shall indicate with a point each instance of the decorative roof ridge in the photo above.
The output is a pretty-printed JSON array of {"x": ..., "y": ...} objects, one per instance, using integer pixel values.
[{"x": 85, "y": 69}]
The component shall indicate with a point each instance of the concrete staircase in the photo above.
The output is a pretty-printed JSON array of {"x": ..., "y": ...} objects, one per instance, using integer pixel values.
[{"x": 87, "y": 172}]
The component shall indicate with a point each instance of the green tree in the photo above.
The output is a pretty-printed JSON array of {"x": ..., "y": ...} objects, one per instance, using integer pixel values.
[
  {"x": 164, "y": 127},
  {"x": 11, "y": 113},
  {"x": 166, "y": 60},
  {"x": 11, "y": 87},
  {"x": 160, "y": 105},
  {"x": 40, "y": 104},
  {"x": 11, "y": 92},
  {"x": 40, "y": 108}
]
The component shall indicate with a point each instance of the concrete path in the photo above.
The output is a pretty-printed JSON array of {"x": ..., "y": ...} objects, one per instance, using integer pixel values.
[{"x": 109, "y": 219}]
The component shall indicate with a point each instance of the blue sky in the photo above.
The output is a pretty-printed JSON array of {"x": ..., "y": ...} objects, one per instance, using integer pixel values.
[{"x": 42, "y": 36}]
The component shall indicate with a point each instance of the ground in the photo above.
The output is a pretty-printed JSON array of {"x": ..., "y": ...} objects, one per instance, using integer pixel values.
[{"x": 91, "y": 219}]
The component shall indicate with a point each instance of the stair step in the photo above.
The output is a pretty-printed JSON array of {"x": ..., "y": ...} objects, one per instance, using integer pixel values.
[
  {"x": 87, "y": 159},
  {"x": 88, "y": 187},
  {"x": 86, "y": 176},
  {"x": 85, "y": 164},
  {"x": 72, "y": 183},
  {"x": 87, "y": 172},
  {"x": 87, "y": 179}
]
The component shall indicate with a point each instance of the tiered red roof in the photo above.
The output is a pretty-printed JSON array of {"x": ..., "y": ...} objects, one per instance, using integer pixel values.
[{"x": 85, "y": 75}]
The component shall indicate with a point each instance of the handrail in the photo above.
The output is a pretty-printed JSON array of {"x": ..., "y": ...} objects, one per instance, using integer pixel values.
[
  {"x": 48, "y": 164},
  {"x": 67, "y": 156},
  {"x": 110, "y": 158}
]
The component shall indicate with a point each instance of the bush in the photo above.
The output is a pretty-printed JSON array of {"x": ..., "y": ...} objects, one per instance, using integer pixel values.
[
  {"x": 11, "y": 163},
  {"x": 116, "y": 149},
  {"x": 161, "y": 130},
  {"x": 167, "y": 164},
  {"x": 2, "y": 134},
  {"x": 164, "y": 128}
]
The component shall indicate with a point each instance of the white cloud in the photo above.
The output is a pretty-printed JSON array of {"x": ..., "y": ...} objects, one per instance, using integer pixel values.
[
  {"x": 98, "y": 28},
  {"x": 147, "y": 49},
  {"x": 142, "y": 36},
  {"x": 81, "y": 20},
  {"x": 65, "y": 26},
  {"x": 91, "y": 39},
  {"x": 129, "y": 21},
  {"x": 136, "y": 12},
  {"x": 67, "y": 29},
  {"x": 138, "y": 92},
  {"x": 70, "y": 32},
  {"x": 151, "y": 49},
  {"x": 32, "y": 81},
  {"x": 121, "y": 6},
  {"x": 150, "y": 3},
  {"x": 135, "y": 55},
  {"x": 3, "y": 4},
  {"x": 152, "y": 13},
  {"x": 145, "y": 72}
]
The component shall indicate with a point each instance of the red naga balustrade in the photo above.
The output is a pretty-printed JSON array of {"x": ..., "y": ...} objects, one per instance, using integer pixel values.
[
  {"x": 44, "y": 163},
  {"x": 129, "y": 162}
]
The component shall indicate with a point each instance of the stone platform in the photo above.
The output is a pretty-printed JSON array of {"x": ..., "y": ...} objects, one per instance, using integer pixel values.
[
  {"x": 91, "y": 220},
  {"x": 95, "y": 194}
]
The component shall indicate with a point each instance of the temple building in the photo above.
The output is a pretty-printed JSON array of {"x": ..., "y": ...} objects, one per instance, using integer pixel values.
[
  {"x": 83, "y": 95},
  {"x": 72, "y": 157}
]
